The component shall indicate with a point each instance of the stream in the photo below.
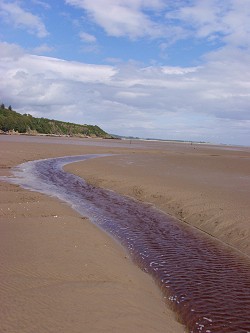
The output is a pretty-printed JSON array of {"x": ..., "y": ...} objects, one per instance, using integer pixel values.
[{"x": 204, "y": 281}]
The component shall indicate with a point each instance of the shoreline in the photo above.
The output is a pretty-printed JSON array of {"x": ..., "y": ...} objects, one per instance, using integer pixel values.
[
  {"x": 59, "y": 272},
  {"x": 209, "y": 144}
]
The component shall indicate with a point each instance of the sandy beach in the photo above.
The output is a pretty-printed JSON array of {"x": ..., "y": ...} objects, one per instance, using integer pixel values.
[
  {"x": 205, "y": 186},
  {"x": 60, "y": 273}
]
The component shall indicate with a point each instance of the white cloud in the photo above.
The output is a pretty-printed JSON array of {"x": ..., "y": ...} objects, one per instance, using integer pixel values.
[
  {"x": 202, "y": 103},
  {"x": 179, "y": 70},
  {"x": 16, "y": 16},
  {"x": 212, "y": 20},
  {"x": 215, "y": 19},
  {"x": 130, "y": 95},
  {"x": 43, "y": 4},
  {"x": 56, "y": 69},
  {"x": 88, "y": 38},
  {"x": 42, "y": 49},
  {"x": 10, "y": 51},
  {"x": 123, "y": 18}
]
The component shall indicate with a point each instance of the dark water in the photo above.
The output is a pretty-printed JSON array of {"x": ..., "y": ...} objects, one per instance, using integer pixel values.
[{"x": 206, "y": 282}]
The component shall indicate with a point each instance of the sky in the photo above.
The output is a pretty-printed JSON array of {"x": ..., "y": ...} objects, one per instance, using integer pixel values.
[{"x": 165, "y": 69}]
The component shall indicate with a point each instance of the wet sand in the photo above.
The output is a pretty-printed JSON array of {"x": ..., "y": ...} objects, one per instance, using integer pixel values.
[
  {"x": 207, "y": 187},
  {"x": 61, "y": 273}
]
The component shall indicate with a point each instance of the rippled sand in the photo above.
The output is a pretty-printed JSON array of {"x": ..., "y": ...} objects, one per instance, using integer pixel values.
[
  {"x": 60, "y": 274},
  {"x": 205, "y": 186}
]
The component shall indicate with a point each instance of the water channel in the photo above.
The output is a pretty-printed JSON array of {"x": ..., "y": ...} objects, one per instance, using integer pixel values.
[{"x": 205, "y": 282}]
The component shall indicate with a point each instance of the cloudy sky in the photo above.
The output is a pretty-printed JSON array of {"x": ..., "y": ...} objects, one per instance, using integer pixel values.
[{"x": 168, "y": 69}]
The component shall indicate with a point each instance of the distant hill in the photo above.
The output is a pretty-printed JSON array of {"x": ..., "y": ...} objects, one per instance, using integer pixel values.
[{"x": 12, "y": 121}]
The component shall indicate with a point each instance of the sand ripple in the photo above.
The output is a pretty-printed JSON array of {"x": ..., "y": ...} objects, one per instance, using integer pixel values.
[{"x": 206, "y": 282}]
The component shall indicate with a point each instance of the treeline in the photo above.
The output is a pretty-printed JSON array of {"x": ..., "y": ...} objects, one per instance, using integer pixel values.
[{"x": 13, "y": 121}]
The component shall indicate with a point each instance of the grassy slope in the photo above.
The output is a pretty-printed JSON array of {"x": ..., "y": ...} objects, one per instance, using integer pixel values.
[{"x": 12, "y": 120}]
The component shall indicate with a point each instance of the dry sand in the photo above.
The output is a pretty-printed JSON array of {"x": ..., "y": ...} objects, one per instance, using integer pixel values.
[{"x": 60, "y": 273}]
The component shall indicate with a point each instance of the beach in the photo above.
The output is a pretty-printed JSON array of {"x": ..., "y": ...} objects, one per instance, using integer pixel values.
[
  {"x": 205, "y": 186},
  {"x": 59, "y": 272}
]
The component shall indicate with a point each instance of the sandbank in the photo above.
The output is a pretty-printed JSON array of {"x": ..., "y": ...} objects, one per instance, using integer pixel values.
[
  {"x": 58, "y": 271},
  {"x": 202, "y": 185}
]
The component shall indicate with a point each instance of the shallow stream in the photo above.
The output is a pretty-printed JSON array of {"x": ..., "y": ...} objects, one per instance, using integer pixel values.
[{"x": 206, "y": 282}]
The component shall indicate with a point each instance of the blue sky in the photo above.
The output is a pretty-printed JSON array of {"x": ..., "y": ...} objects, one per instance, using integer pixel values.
[{"x": 149, "y": 68}]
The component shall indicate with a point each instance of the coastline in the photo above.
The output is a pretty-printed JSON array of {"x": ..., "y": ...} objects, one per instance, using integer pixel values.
[{"x": 59, "y": 272}]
